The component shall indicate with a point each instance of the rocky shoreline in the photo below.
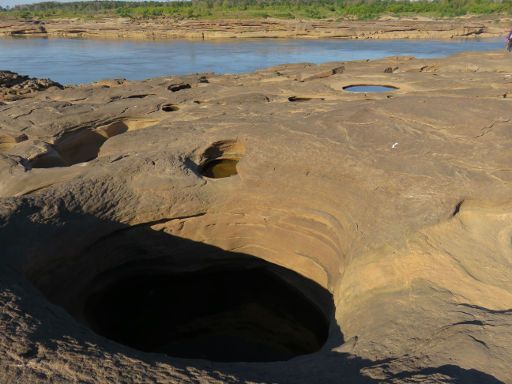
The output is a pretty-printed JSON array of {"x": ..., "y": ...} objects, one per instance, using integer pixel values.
[
  {"x": 14, "y": 86},
  {"x": 123, "y": 28},
  {"x": 390, "y": 213}
]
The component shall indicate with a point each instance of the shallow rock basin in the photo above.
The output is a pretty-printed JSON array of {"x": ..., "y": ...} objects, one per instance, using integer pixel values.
[
  {"x": 369, "y": 88},
  {"x": 220, "y": 168}
]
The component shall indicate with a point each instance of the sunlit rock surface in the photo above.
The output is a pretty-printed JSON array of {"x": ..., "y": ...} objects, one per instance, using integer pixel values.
[
  {"x": 362, "y": 237},
  {"x": 387, "y": 27}
]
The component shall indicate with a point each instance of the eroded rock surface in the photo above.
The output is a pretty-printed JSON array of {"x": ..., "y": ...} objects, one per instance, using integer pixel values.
[
  {"x": 386, "y": 217},
  {"x": 167, "y": 28},
  {"x": 14, "y": 86}
]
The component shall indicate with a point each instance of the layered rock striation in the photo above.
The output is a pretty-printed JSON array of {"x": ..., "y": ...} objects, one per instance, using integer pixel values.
[{"x": 167, "y": 28}]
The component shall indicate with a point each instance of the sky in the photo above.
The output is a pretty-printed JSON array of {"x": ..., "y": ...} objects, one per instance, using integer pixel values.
[{"x": 10, "y": 3}]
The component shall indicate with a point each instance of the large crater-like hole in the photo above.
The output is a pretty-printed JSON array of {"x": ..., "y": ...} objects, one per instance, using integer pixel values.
[
  {"x": 220, "y": 315},
  {"x": 155, "y": 292}
]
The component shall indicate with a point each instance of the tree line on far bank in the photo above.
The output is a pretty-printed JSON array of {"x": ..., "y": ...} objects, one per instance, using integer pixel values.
[{"x": 286, "y": 9}]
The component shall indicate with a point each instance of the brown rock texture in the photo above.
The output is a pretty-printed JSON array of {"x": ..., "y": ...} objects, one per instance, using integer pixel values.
[
  {"x": 396, "y": 207},
  {"x": 14, "y": 86},
  {"x": 164, "y": 28}
]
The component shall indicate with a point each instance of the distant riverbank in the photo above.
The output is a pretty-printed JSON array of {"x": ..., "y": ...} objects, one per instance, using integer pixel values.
[{"x": 166, "y": 28}]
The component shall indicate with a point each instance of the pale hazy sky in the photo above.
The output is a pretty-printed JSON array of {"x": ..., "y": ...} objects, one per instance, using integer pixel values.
[{"x": 5, "y": 3}]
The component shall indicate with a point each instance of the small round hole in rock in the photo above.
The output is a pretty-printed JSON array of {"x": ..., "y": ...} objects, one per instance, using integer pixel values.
[
  {"x": 369, "y": 88},
  {"x": 224, "y": 314},
  {"x": 220, "y": 168},
  {"x": 169, "y": 108}
]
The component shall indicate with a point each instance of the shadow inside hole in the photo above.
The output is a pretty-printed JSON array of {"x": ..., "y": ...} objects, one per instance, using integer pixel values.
[
  {"x": 74, "y": 148},
  {"x": 220, "y": 159},
  {"x": 228, "y": 314},
  {"x": 298, "y": 98},
  {"x": 85, "y": 144},
  {"x": 220, "y": 168},
  {"x": 169, "y": 108},
  {"x": 156, "y": 292},
  {"x": 178, "y": 87},
  {"x": 369, "y": 88}
]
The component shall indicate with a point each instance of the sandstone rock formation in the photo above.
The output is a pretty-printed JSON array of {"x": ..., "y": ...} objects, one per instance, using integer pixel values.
[
  {"x": 364, "y": 237},
  {"x": 14, "y": 86},
  {"x": 165, "y": 28}
]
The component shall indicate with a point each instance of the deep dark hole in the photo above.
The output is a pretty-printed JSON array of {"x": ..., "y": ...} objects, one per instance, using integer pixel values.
[
  {"x": 220, "y": 168},
  {"x": 47, "y": 162},
  {"x": 227, "y": 315},
  {"x": 298, "y": 99},
  {"x": 178, "y": 87},
  {"x": 169, "y": 108}
]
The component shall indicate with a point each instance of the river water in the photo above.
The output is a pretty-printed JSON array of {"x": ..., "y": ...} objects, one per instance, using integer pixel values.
[{"x": 81, "y": 61}]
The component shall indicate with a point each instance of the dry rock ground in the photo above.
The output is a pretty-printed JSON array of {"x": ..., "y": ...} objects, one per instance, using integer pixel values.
[{"x": 397, "y": 205}]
